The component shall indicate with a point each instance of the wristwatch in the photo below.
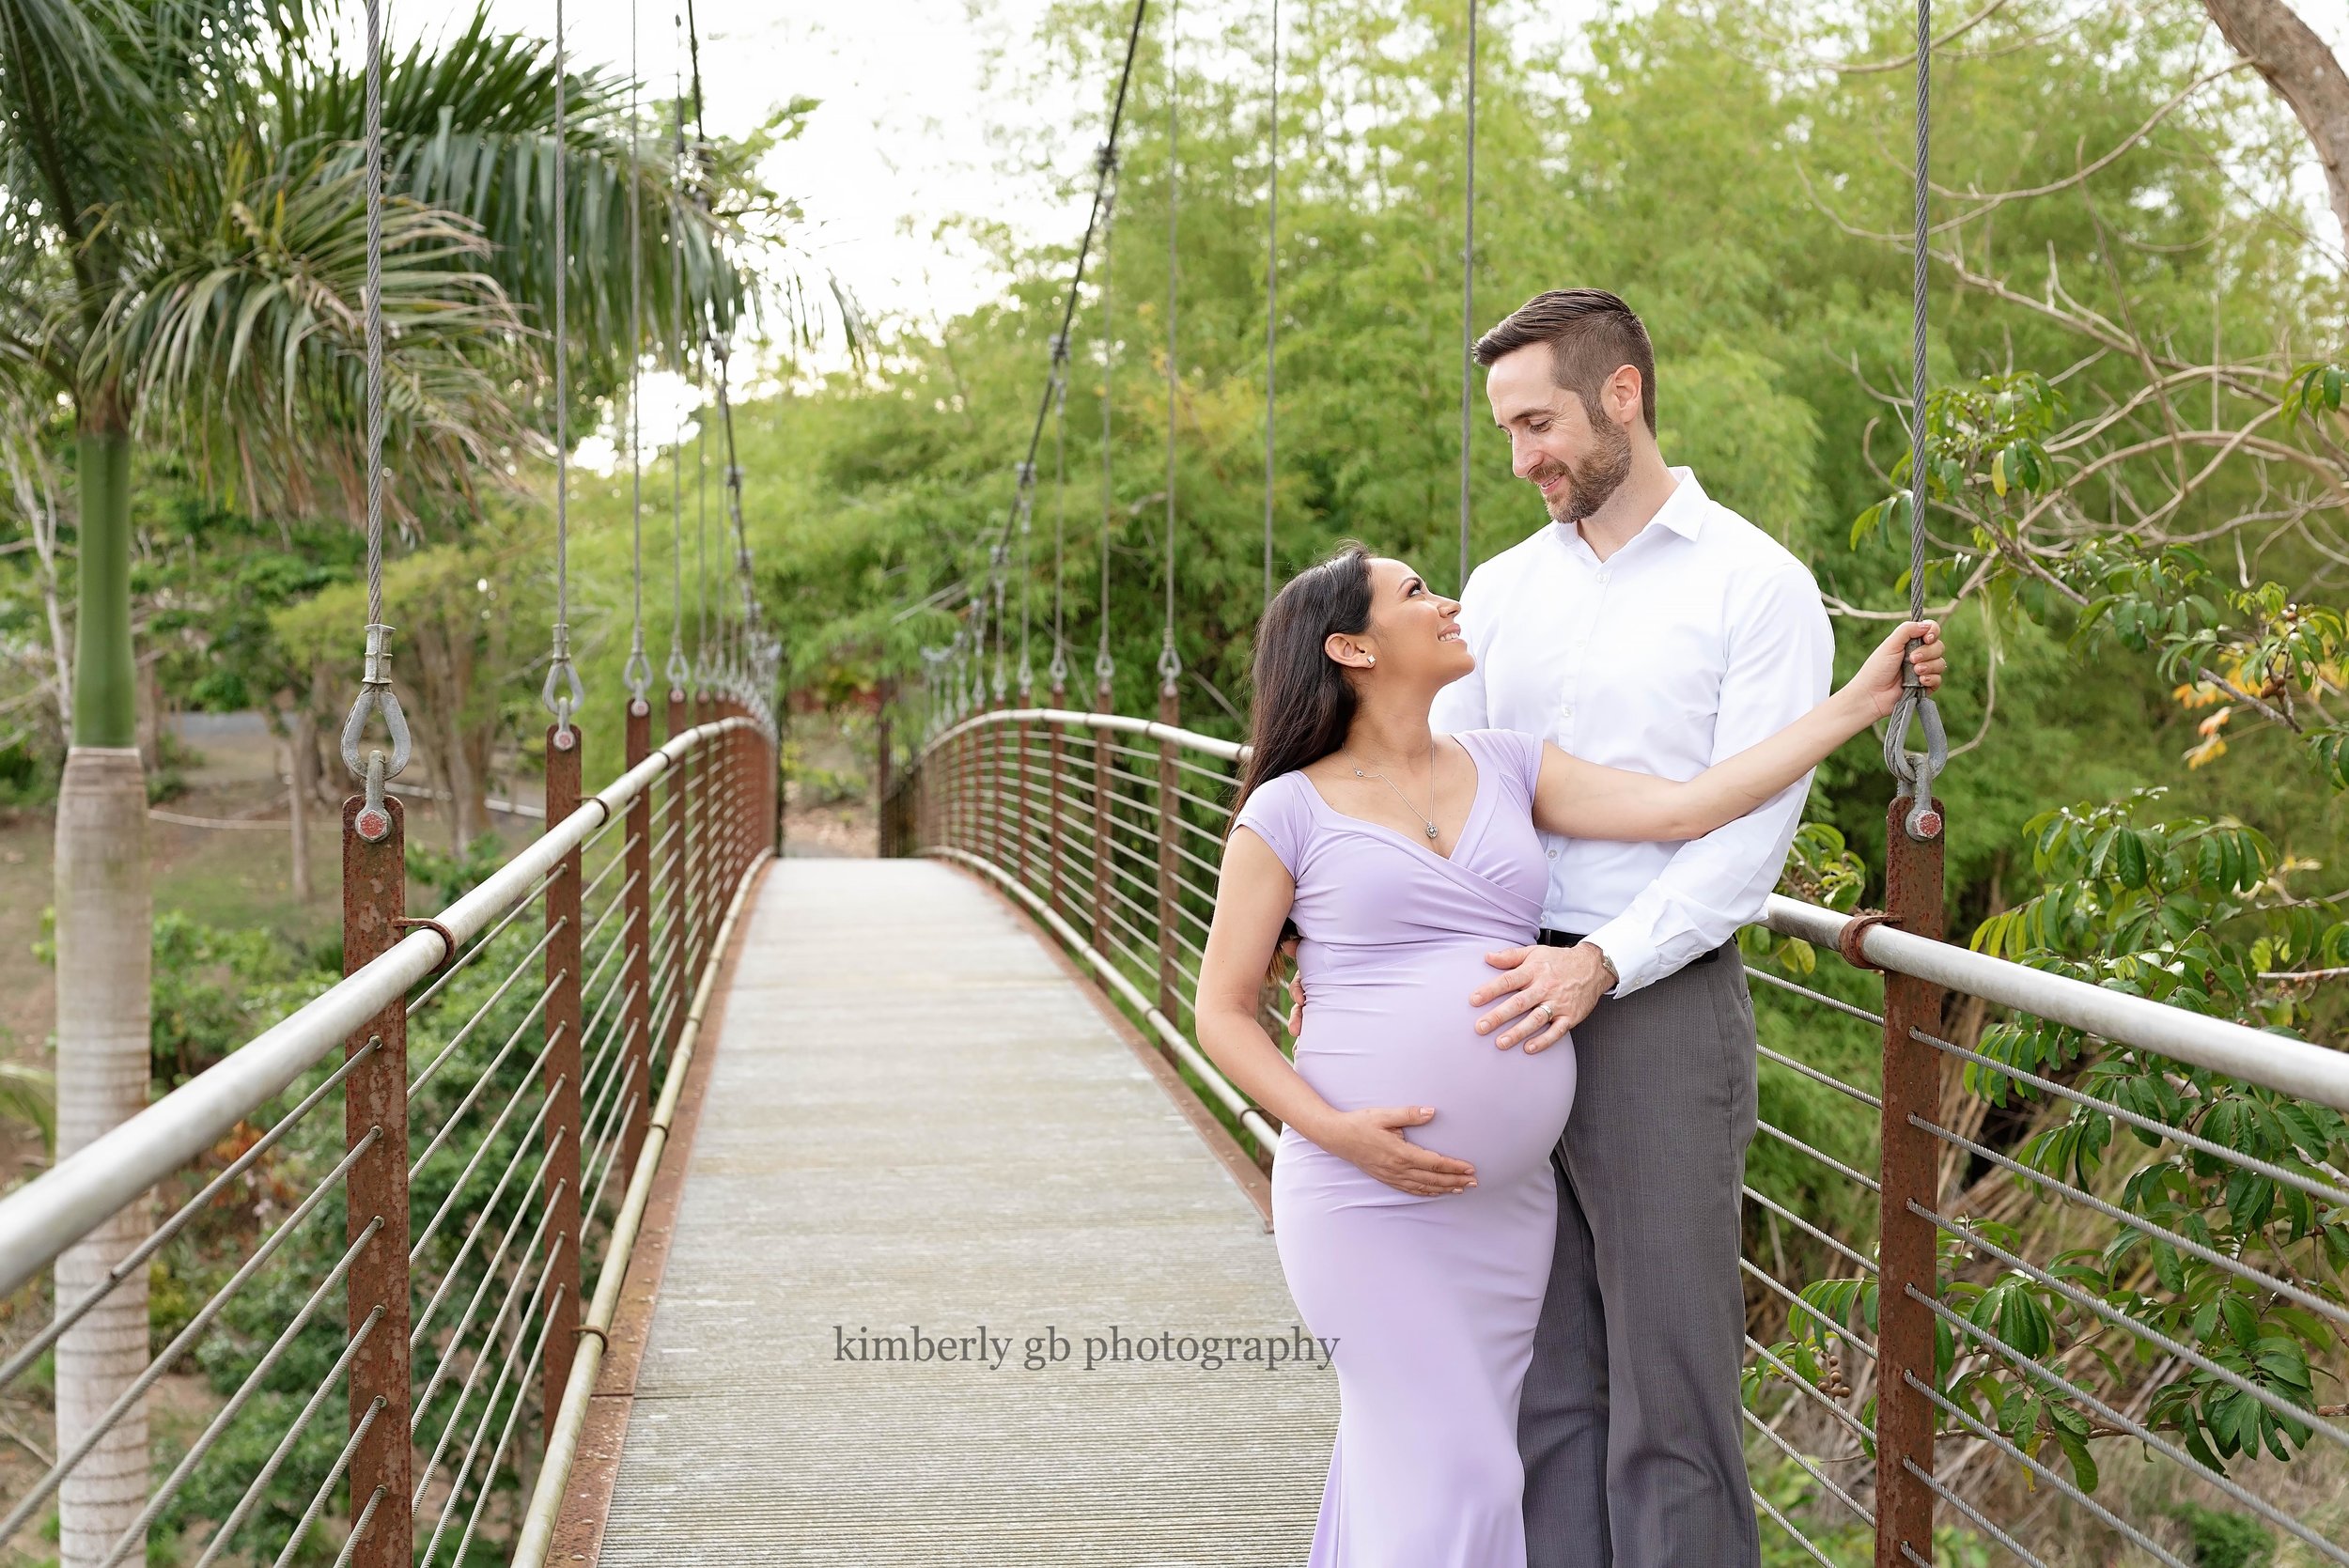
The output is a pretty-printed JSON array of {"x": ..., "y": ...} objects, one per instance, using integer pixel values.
[{"x": 1615, "y": 975}]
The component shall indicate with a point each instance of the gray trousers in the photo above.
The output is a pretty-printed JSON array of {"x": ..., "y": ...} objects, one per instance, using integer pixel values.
[{"x": 1629, "y": 1427}]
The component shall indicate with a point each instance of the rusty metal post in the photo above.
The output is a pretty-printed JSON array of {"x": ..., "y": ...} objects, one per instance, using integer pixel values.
[
  {"x": 1019, "y": 803},
  {"x": 991, "y": 785},
  {"x": 375, "y": 1100},
  {"x": 729, "y": 808},
  {"x": 1102, "y": 785},
  {"x": 1912, "y": 1088},
  {"x": 701, "y": 791},
  {"x": 744, "y": 811},
  {"x": 635, "y": 1066},
  {"x": 1170, "y": 823},
  {"x": 560, "y": 1073},
  {"x": 675, "y": 864},
  {"x": 1054, "y": 849},
  {"x": 722, "y": 822},
  {"x": 973, "y": 812},
  {"x": 950, "y": 791}
]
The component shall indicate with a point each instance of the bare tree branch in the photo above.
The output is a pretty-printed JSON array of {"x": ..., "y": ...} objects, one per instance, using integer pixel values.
[{"x": 2273, "y": 39}]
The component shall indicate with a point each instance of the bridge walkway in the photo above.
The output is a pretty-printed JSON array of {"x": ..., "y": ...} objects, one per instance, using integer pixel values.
[{"x": 916, "y": 1115}]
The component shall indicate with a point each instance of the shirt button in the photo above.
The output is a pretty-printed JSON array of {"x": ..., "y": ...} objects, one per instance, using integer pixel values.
[
  {"x": 1553, "y": 854},
  {"x": 1605, "y": 578},
  {"x": 1565, "y": 712}
]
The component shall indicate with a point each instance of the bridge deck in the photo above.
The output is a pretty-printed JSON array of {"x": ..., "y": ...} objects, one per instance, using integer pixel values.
[{"x": 916, "y": 1117}]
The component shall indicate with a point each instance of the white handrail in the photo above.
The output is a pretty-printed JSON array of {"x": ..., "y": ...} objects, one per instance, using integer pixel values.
[
  {"x": 49, "y": 1213},
  {"x": 2279, "y": 1061},
  {"x": 1230, "y": 751}
]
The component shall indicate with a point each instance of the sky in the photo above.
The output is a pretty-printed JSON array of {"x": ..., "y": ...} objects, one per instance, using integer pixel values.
[
  {"x": 899, "y": 145},
  {"x": 902, "y": 144}
]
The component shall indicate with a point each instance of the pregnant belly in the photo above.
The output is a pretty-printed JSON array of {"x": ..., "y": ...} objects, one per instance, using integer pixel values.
[{"x": 1405, "y": 1035}]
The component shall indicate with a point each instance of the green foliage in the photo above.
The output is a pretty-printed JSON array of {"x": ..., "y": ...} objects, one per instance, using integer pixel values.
[
  {"x": 2312, "y": 388},
  {"x": 1984, "y": 446},
  {"x": 28, "y": 1095},
  {"x": 214, "y": 989},
  {"x": 2225, "y": 1539},
  {"x": 451, "y": 876},
  {"x": 2193, "y": 913}
]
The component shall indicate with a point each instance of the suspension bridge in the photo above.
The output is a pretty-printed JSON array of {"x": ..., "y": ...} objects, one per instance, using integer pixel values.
[{"x": 662, "y": 1199}]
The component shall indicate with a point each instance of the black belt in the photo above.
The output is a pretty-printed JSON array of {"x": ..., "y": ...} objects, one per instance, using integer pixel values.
[{"x": 1571, "y": 938}]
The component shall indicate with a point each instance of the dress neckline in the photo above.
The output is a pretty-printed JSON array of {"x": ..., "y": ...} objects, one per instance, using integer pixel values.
[{"x": 1467, "y": 823}]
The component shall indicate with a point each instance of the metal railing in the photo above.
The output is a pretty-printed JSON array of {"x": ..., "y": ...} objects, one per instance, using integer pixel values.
[
  {"x": 493, "y": 1065},
  {"x": 1997, "y": 1286}
]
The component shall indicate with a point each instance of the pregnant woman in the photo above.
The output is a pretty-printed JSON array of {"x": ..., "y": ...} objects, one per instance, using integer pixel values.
[{"x": 1402, "y": 858}]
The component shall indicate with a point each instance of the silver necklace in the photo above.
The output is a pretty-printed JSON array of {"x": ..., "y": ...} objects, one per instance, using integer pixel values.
[{"x": 1428, "y": 821}]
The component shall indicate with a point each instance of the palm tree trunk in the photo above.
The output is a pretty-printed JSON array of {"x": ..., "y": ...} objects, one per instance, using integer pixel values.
[
  {"x": 300, "y": 760},
  {"x": 104, "y": 914}
]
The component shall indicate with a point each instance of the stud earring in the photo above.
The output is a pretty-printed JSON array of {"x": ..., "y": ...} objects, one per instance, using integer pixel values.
[{"x": 1370, "y": 659}]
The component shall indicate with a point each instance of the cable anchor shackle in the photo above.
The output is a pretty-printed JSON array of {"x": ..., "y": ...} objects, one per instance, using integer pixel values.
[
  {"x": 1914, "y": 772},
  {"x": 1170, "y": 663},
  {"x": 637, "y": 674},
  {"x": 999, "y": 557},
  {"x": 562, "y": 693},
  {"x": 375, "y": 696}
]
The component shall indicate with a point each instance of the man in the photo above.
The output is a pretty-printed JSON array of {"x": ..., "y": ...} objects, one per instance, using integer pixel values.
[{"x": 1646, "y": 627}]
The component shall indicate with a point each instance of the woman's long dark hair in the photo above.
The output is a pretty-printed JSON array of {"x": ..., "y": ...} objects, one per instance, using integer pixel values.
[{"x": 1304, "y": 703}]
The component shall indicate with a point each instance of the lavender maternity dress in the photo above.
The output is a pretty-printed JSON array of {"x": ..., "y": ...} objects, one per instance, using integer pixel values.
[{"x": 1432, "y": 1300}]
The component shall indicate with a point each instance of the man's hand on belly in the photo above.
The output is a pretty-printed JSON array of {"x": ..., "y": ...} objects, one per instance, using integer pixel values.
[{"x": 1570, "y": 980}]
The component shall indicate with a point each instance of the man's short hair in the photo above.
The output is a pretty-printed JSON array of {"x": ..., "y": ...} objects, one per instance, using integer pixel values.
[{"x": 1591, "y": 334}]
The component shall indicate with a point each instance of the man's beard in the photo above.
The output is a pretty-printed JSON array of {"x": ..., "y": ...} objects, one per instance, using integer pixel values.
[{"x": 1592, "y": 482}]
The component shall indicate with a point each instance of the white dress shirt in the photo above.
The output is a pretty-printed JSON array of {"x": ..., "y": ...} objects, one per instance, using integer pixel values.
[{"x": 1695, "y": 640}]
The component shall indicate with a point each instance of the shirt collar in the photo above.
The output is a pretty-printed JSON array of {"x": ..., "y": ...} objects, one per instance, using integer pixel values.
[{"x": 1683, "y": 512}]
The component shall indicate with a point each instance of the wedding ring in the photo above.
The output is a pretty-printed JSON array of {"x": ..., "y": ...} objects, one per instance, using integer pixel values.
[{"x": 1543, "y": 1008}]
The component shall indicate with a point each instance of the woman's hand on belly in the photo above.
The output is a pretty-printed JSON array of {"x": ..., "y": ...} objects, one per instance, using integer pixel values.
[{"x": 1370, "y": 1139}]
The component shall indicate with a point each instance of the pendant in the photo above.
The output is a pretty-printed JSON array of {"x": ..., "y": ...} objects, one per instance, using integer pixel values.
[{"x": 1431, "y": 829}]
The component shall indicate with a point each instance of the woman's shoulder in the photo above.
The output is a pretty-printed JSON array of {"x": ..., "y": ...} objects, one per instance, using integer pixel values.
[
  {"x": 1278, "y": 811},
  {"x": 1497, "y": 741},
  {"x": 1518, "y": 754}
]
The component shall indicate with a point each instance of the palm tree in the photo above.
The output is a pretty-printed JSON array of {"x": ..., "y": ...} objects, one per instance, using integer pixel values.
[{"x": 182, "y": 259}]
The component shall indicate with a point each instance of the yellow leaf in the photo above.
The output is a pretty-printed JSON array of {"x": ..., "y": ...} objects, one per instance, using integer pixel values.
[{"x": 2199, "y": 693}]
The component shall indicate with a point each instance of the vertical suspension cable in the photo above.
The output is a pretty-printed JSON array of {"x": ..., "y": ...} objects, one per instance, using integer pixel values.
[
  {"x": 1917, "y": 321},
  {"x": 675, "y": 671},
  {"x": 1916, "y": 773},
  {"x": 704, "y": 660},
  {"x": 562, "y": 692},
  {"x": 375, "y": 679},
  {"x": 701, "y": 530},
  {"x": 1170, "y": 663},
  {"x": 1058, "y": 669},
  {"x": 638, "y": 673},
  {"x": 1468, "y": 296},
  {"x": 1271, "y": 291},
  {"x": 1105, "y": 667}
]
